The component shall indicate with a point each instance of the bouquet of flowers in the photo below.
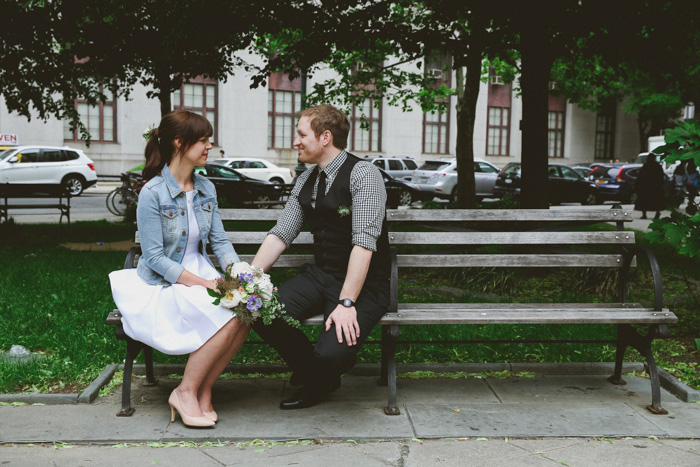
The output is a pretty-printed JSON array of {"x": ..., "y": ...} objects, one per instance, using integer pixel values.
[{"x": 248, "y": 291}]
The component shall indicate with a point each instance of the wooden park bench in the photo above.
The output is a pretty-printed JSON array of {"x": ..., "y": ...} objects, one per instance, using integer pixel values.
[
  {"x": 466, "y": 239},
  {"x": 9, "y": 192}
]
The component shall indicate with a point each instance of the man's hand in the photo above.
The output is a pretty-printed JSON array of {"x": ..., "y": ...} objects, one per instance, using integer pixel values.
[{"x": 345, "y": 320}]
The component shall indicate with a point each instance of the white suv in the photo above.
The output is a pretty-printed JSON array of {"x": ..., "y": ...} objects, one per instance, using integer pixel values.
[
  {"x": 42, "y": 167},
  {"x": 397, "y": 167},
  {"x": 438, "y": 177},
  {"x": 258, "y": 168}
]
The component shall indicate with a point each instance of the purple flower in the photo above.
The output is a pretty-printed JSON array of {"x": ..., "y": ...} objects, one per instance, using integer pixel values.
[
  {"x": 245, "y": 277},
  {"x": 254, "y": 303}
]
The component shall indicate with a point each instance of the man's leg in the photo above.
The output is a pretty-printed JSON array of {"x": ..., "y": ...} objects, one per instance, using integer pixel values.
[
  {"x": 336, "y": 357},
  {"x": 302, "y": 297}
]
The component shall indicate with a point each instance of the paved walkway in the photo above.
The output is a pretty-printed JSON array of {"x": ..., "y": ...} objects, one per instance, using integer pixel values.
[{"x": 544, "y": 420}]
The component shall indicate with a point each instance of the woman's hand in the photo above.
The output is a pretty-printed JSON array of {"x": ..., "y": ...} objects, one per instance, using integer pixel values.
[{"x": 212, "y": 284}]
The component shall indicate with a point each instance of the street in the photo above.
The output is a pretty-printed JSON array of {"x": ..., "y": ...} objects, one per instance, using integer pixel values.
[{"x": 91, "y": 206}]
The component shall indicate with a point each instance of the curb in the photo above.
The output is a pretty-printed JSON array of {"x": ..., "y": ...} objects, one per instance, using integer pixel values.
[
  {"x": 93, "y": 390},
  {"x": 679, "y": 389},
  {"x": 668, "y": 381}
]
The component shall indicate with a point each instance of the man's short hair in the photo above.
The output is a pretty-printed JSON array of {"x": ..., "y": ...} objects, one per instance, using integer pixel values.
[{"x": 326, "y": 117}]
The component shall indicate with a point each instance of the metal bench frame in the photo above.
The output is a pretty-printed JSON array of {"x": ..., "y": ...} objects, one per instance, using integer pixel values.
[{"x": 538, "y": 228}]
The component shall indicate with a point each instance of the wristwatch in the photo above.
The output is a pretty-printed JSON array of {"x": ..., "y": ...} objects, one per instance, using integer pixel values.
[{"x": 346, "y": 302}]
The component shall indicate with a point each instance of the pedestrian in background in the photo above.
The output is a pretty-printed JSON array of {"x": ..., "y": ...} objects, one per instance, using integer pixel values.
[
  {"x": 222, "y": 154},
  {"x": 650, "y": 188}
]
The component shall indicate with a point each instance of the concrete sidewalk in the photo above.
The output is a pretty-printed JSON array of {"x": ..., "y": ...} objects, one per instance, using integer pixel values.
[{"x": 550, "y": 418}]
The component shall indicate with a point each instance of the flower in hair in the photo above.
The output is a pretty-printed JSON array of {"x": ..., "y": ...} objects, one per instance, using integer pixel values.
[{"x": 148, "y": 132}]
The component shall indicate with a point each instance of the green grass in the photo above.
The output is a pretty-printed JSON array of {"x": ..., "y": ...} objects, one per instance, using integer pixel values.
[{"x": 54, "y": 301}]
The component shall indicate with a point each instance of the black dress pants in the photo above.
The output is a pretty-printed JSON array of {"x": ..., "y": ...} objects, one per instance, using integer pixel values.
[{"x": 314, "y": 292}]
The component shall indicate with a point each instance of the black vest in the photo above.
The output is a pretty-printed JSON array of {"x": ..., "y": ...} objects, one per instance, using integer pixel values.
[{"x": 332, "y": 230}]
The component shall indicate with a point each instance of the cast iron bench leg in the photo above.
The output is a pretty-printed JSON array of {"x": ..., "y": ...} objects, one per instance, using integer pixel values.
[
  {"x": 151, "y": 380},
  {"x": 382, "y": 380},
  {"x": 393, "y": 335},
  {"x": 132, "y": 350},
  {"x": 628, "y": 336}
]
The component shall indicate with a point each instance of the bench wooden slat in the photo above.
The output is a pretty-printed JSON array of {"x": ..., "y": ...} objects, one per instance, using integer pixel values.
[
  {"x": 457, "y": 215},
  {"x": 475, "y": 261},
  {"x": 561, "y": 313},
  {"x": 468, "y": 238},
  {"x": 515, "y": 260}
]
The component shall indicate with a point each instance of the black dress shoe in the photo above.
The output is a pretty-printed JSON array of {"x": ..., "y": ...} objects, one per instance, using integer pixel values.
[{"x": 303, "y": 400}]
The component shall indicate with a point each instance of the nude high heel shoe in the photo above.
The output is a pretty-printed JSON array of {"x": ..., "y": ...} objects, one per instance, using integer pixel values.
[
  {"x": 211, "y": 416},
  {"x": 174, "y": 402}
]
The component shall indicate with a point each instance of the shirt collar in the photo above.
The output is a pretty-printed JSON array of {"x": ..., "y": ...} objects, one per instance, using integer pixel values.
[
  {"x": 173, "y": 186},
  {"x": 332, "y": 168}
]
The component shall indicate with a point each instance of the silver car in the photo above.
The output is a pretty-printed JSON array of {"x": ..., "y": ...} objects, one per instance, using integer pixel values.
[{"x": 438, "y": 178}]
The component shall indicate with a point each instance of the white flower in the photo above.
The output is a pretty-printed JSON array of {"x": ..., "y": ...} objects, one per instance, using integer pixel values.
[
  {"x": 266, "y": 288},
  {"x": 239, "y": 268},
  {"x": 231, "y": 299}
]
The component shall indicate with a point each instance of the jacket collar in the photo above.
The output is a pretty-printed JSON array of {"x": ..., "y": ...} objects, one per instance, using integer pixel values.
[{"x": 173, "y": 187}]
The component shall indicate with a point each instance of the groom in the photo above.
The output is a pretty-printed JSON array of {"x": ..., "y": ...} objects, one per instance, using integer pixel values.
[{"x": 342, "y": 199}]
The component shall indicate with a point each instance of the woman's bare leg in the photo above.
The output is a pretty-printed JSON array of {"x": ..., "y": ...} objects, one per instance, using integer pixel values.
[
  {"x": 204, "y": 394},
  {"x": 199, "y": 365}
]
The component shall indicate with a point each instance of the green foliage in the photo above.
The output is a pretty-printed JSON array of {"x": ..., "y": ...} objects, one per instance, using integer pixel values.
[{"x": 680, "y": 230}]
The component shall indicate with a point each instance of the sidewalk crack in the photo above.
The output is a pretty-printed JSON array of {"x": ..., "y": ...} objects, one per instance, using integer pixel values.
[{"x": 492, "y": 390}]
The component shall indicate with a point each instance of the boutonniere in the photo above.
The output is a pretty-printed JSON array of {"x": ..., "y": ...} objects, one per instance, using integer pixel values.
[{"x": 344, "y": 210}]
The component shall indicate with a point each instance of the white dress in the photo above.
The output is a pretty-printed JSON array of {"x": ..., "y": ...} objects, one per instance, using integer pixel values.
[{"x": 177, "y": 319}]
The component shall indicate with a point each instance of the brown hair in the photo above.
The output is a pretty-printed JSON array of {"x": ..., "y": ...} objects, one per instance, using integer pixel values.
[
  {"x": 186, "y": 126},
  {"x": 326, "y": 117}
]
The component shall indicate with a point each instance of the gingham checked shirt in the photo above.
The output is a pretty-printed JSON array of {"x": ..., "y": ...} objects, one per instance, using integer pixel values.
[{"x": 368, "y": 203}]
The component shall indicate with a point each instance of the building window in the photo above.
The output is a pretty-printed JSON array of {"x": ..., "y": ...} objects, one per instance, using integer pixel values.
[
  {"x": 282, "y": 107},
  {"x": 199, "y": 96},
  {"x": 99, "y": 119},
  {"x": 283, "y": 102},
  {"x": 435, "y": 132},
  {"x": 605, "y": 133},
  {"x": 555, "y": 133},
  {"x": 498, "y": 131},
  {"x": 436, "y": 124},
  {"x": 369, "y": 138},
  {"x": 500, "y": 99}
]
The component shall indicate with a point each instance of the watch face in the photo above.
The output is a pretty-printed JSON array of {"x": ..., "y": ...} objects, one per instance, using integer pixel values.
[{"x": 346, "y": 302}]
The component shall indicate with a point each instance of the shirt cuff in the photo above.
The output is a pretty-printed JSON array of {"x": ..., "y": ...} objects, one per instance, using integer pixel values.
[
  {"x": 286, "y": 238},
  {"x": 174, "y": 273},
  {"x": 364, "y": 240}
]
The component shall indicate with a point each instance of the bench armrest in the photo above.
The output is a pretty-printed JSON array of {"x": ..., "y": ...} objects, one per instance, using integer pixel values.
[
  {"x": 131, "y": 257},
  {"x": 655, "y": 271},
  {"x": 393, "y": 282}
]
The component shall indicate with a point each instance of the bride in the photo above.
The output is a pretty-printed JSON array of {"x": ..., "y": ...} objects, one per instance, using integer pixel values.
[{"x": 164, "y": 301}]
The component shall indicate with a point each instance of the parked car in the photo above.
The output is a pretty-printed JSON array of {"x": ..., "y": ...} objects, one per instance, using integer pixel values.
[
  {"x": 42, "y": 168},
  {"x": 617, "y": 183},
  {"x": 398, "y": 167},
  {"x": 259, "y": 169},
  {"x": 438, "y": 178},
  {"x": 238, "y": 189},
  {"x": 399, "y": 192},
  {"x": 565, "y": 184},
  {"x": 583, "y": 170}
]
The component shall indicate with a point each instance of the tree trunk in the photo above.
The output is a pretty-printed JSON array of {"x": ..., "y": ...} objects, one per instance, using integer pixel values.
[
  {"x": 467, "y": 95},
  {"x": 536, "y": 69},
  {"x": 163, "y": 90}
]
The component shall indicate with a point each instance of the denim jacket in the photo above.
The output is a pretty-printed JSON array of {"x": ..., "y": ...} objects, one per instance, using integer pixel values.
[{"x": 164, "y": 228}]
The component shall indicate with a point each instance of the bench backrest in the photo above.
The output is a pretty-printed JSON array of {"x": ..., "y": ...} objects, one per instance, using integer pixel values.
[{"x": 458, "y": 235}]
